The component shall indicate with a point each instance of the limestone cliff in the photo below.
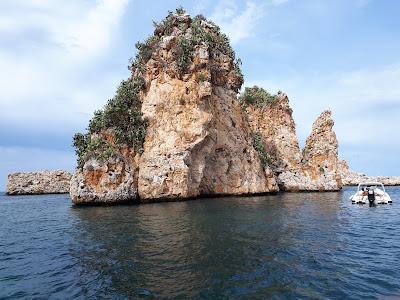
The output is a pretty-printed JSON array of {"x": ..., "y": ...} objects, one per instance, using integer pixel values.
[
  {"x": 314, "y": 168},
  {"x": 271, "y": 118},
  {"x": 35, "y": 183},
  {"x": 196, "y": 139},
  {"x": 274, "y": 121}
]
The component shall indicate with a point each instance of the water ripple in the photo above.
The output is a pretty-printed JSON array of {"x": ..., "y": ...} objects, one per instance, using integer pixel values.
[{"x": 292, "y": 246}]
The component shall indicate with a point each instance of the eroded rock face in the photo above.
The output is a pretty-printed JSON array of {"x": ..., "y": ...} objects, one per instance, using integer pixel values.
[
  {"x": 36, "y": 183},
  {"x": 197, "y": 141},
  {"x": 313, "y": 169},
  {"x": 109, "y": 181},
  {"x": 320, "y": 155},
  {"x": 275, "y": 123}
]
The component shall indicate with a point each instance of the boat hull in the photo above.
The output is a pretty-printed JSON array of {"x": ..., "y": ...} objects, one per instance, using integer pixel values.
[{"x": 379, "y": 199}]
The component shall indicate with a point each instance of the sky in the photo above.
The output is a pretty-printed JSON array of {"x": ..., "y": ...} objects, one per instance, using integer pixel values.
[{"x": 62, "y": 60}]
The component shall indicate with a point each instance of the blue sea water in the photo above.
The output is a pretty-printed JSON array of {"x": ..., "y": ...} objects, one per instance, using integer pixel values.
[{"x": 285, "y": 246}]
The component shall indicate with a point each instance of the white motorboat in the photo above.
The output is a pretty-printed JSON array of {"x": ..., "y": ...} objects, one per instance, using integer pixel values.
[{"x": 372, "y": 193}]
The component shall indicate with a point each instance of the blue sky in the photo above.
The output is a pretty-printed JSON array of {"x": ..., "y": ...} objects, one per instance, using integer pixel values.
[{"x": 61, "y": 60}]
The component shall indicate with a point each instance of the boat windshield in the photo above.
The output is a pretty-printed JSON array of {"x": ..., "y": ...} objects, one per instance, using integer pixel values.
[{"x": 371, "y": 186}]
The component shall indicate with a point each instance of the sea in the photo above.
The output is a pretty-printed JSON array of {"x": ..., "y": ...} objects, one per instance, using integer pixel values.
[{"x": 283, "y": 246}]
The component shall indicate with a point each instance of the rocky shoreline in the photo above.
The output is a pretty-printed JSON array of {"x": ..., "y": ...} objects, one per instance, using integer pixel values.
[
  {"x": 38, "y": 183},
  {"x": 58, "y": 182},
  {"x": 350, "y": 178}
]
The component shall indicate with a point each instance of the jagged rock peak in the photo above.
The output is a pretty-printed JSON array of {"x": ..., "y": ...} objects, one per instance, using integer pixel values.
[
  {"x": 323, "y": 123},
  {"x": 283, "y": 100},
  {"x": 320, "y": 154},
  {"x": 314, "y": 169},
  {"x": 198, "y": 141}
]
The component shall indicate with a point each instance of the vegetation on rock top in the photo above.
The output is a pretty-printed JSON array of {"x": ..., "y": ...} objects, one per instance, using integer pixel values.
[
  {"x": 256, "y": 96},
  {"x": 189, "y": 33},
  {"x": 121, "y": 117}
]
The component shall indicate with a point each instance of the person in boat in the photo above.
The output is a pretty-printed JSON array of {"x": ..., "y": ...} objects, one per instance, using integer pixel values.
[{"x": 364, "y": 192}]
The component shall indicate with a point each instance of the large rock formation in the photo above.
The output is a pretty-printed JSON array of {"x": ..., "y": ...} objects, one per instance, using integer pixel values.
[
  {"x": 353, "y": 178},
  {"x": 197, "y": 139},
  {"x": 35, "y": 183},
  {"x": 314, "y": 168}
]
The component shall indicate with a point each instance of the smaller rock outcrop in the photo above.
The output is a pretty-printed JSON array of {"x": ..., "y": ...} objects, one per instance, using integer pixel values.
[
  {"x": 354, "y": 178},
  {"x": 109, "y": 181},
  {"x": 320, "y": 155},
  {"x": 272, "y": 119},
  {"x": 313, "y": 169},
  {"x": 36, "y": 183}
]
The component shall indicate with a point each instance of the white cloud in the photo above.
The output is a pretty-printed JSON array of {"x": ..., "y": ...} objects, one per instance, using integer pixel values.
[
  {"x": 47, "y": 78},
  {"x": 238, "y": 24},
  {"x": 92, "y": 34},
  {"x": 82, "y": 29}
]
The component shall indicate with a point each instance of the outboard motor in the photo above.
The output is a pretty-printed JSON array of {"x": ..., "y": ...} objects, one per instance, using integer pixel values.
[{"x": 371, "y": 198}]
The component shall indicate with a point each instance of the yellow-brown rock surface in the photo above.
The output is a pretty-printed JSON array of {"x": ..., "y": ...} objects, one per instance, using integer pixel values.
[
  {"x": 274, "y": 121},
  {"x": 320, "y": 155},
  {"x": 113, "y": 180},
  {"x": 313, "y": 169},
  {"x": 198, "y": 141}
]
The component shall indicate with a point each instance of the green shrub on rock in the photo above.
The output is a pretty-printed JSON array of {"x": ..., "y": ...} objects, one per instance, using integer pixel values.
[
  {"x": 217, "y": 42},
  {"x": 88, "y": 146},
  {"x": 262, "y": 153},
  {"x": 80, "y": 143},
  {"x": 201, "y": 77},
  {"x": 256, "y": 96},
  {"x": 321, "y": 169},
  {"x": 122, "y": 117}
]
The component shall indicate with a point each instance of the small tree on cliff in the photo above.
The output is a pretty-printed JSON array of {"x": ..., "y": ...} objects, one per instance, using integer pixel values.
[{"x": 256, "y": 96}]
